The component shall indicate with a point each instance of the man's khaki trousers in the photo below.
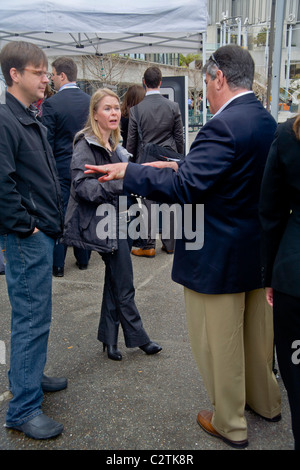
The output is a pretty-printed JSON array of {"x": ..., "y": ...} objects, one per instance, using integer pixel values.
[{"x": 232, "y": 341}]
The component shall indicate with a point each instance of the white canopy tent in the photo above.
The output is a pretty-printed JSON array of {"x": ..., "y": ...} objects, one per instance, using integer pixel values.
[
  {"x": 77, "y": 27},
  {"x": 96, "y": 27}
]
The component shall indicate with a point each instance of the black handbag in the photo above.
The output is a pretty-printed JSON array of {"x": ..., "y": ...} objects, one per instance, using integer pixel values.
[{"x": 153, "y": 152}]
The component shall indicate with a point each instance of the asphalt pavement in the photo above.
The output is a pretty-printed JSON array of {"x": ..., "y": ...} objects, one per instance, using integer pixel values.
[{"x": 140, "y": 403}]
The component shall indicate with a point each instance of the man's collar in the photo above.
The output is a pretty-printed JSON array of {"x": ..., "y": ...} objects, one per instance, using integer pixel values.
[
  {"x": 152, "y": 92},
  {"x": 231, "y": 99},
  {"x": 31, "y": 108},
  {"x": 68, "y": 85}
]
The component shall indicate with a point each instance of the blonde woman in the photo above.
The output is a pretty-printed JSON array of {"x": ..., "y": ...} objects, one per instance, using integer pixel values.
[{"x": 91, "y": 203}]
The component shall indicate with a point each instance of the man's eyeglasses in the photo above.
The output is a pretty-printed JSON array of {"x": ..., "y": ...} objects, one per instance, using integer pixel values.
[
  {"x": 213, "y": 59},
  {"x": 39, "y": 73}
]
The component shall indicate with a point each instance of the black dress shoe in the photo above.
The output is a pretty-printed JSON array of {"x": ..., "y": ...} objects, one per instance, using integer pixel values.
[
  {"x": 53, "y": 384},
  {"x": 39, "y": 427},
  {"x": 170, "y": 252},
  {"x": 81, "y": 266},
  {"x": 112, "y": 352},
  {"x": 151, "y": 348},
  {"x": 58, "y": 272}
]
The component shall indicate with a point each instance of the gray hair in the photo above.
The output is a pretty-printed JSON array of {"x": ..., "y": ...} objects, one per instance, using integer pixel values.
[{"x": 236, "y": 65}]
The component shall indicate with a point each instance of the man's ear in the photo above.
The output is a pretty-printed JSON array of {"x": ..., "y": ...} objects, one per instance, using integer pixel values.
[
  {"x": 63, "y": 76},
  {"x": 14, "y": 73},
  {"x": 220, "y": 78}
]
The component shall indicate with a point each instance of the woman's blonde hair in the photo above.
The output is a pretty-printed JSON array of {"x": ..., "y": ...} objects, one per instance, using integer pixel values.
[{"x": 91, "y": 126}]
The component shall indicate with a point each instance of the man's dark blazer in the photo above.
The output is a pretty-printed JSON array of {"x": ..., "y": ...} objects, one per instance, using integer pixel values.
[
  {"x": 160, "y": 122},
  {"x": 64, "y": 114},
  {"x": 280, "y": 213},
  {"x": 223, "y": 171}
]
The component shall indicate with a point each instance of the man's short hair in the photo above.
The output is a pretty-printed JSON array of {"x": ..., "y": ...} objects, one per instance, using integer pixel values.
[
  {"x": 19, "y": 54},
  {"x": 236, "y": 64},
  {"x": 66, "y": 65},
  {"x": 152, "y": 77}
]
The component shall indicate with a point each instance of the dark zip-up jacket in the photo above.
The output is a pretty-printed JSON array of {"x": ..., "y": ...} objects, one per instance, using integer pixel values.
[
  {"x": 29, "y": 187},
  {"x": 92, "y": 202}
]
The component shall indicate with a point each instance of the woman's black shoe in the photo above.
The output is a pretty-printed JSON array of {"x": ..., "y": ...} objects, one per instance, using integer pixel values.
[
  {"x": 112, "y": 352},
  {"x": 151, "y": 348}
]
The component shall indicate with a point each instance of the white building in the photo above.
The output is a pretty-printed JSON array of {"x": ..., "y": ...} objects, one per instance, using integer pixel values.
[{"x": 248, "y": 23}]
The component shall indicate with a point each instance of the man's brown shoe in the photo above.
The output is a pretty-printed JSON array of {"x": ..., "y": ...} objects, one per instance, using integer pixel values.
[
  {"x": 204, "y": 420},
  {"x": 146, "y": 253}
]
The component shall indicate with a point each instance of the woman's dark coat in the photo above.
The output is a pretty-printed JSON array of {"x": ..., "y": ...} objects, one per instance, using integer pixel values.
[
  {"x": 91, "y": 202},
  {"x": 280, "y": 213}
]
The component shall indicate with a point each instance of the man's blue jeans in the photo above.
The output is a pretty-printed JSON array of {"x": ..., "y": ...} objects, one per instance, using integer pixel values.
[{"x": 28, "y": 273}]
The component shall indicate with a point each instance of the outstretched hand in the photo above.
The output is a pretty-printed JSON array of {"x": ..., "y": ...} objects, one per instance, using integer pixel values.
[
  {"x": 116, "y": 171},
  {"x": 113, "y": 171}
]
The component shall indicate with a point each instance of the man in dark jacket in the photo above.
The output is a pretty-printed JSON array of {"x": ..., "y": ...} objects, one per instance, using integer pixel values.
[
  {"x": 31, "y": 218},
  {"x": 230, "y": 324},
  {"x": 64, "y": 114},
  {"x": 159, "y": 120}
]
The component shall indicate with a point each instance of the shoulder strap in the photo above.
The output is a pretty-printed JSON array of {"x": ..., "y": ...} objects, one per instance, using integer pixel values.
[{"x": 136, "y": 112}]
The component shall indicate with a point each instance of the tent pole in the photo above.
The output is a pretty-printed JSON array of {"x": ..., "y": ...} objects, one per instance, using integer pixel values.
[
  {"x": 204, "y": 110},
  {"x": 280, "y": 11},
  {"x": 270, "y": 55}
]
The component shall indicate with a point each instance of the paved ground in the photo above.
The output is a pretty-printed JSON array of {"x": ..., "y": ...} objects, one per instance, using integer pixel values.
[{"x": 142, "y": 402}]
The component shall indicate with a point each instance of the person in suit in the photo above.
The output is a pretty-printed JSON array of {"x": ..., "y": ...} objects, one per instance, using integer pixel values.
[
  {"x": 64, "y": 114},
  {"x": 279, "y": 213},
  {"x": 160, "y": 123},
  {"x": 229, "y": 320},
  {"x": 133, "y": 96}
]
